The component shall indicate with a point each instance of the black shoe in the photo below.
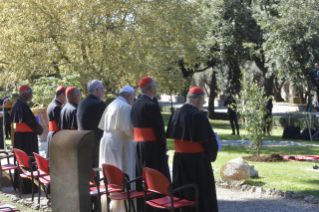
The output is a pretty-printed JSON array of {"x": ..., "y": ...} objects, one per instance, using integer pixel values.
[
  {"x": 238, "y": 134},
  {"x": 233, "y": 134}
]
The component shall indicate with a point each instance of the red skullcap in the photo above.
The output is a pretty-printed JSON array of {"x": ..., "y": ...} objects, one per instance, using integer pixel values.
[
  {"x": 69, "y": 90},
  {"x": 196, "y": 90},
  {"x": 23, "y": 88},
  {"x": 60, "y": 88},
  {"x": 144, "y": 82}
]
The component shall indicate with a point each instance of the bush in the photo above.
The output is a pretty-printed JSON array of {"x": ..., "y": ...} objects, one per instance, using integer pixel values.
[{"x": 109, "y": 98}]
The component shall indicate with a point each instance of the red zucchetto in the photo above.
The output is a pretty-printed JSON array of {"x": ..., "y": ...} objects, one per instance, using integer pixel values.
[
  {"x": 69, "y": 90},
  {"x": 60, "y": 88},
  {"x": 196, "y": 90},
  {"x": 144, "y": 82},
  {"x": 23, "y": 88}
]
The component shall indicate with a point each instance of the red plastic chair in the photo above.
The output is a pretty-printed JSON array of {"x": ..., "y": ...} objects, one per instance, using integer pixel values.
[
  {"x": 6, "y": 167},
  {"x": 7, "y": 208},
  {"x": 25, "y": 162},
  {"x": 114, "y": 177},
  {"x": 45, "y": 179},
  {"x": 155, "y": 181},
  {"x": 99, "y": 190}
]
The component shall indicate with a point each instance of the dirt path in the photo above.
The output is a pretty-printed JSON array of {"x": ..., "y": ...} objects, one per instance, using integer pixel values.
[{"x": 239, "y": 201}]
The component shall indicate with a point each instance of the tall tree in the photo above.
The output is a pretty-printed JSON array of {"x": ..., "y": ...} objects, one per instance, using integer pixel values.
[
  {"x": 291, "y": 38},
  {"x": 115, "y": 41}
]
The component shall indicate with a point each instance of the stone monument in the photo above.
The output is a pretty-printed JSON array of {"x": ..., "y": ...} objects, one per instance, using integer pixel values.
[{"x": 71, "y": 170}]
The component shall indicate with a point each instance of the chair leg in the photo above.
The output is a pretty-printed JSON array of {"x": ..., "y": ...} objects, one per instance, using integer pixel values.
[
  {"x": 133, "y": 205},
  {"x": 11, "y": 179},
  {"x": 125, "y": 206},
  {"x": 20, "y": 185},
  {"x": 45, "y": 191},
  {"x": 108, "y": 203},
  {"x": 196, "y": 206},
  {"x": 32, "y": 183},
  {"x": 39, "y": 193},
  {"x": 99, "y": 202}
]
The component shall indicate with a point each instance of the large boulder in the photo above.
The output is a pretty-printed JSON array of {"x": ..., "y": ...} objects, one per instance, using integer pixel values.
[{"x": 235, "y": 171}]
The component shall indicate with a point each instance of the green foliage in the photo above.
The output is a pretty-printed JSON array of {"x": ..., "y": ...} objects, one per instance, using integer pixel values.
[
  {"x": 253, "y": 112},
  {"x": 291, "y": 39},
  {"x": 116, "y": 42},
  {"x": 109, "y": 98},
  {"x": 44, "y": 87}
]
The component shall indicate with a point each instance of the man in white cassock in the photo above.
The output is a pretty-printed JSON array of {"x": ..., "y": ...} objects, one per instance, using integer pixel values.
[{"x": 117, "y": 144}]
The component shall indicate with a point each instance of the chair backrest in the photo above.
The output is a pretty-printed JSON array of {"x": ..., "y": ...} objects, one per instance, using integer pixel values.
[
  {"x": 22, "y": 157},
  {"x": 155, "y": 181},
  {"x": 113, "y": 175},
  {"x": 43, "y": 164}
]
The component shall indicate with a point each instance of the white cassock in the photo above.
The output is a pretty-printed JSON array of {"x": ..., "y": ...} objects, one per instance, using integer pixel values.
[{"x": 117, "y": 145}]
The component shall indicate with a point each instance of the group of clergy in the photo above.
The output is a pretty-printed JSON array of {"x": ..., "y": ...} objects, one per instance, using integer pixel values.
[{"x": 130, "y": 134}]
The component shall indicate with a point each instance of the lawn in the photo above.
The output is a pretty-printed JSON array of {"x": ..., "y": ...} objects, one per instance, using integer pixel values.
[{"x": 283, "y": 176}]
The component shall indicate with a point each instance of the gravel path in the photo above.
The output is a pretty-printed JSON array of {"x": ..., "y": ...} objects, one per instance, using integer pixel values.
[
  {"x": 230, "y": 200},
  {"x": 239, "y": 201}
]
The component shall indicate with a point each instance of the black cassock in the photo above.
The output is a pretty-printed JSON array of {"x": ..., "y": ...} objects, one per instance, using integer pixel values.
[
  {"x": 53, "y": 114},
  {"x": 68, "y": 117},
  {"x": 149, "y": 135},
  {"x": 195, "y": 148},
  {"x": 25, "y": 137},
  {"x": 89, "y": 114}
]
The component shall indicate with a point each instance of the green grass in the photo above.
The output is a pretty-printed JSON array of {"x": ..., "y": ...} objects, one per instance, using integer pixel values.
[{"x": 284, "y": 176}]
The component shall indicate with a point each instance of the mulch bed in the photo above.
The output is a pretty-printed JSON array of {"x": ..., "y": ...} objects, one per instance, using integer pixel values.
[{"x": 265, "y": 158}]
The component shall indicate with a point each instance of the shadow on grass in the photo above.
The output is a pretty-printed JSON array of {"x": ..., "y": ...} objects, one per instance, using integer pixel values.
[
  {"x": 262, "y": 205},
  {"x": 256, "y": 182},
  {"x": 314, "y": 192}
]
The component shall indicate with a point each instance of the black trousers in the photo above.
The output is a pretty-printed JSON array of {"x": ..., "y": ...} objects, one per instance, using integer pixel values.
[{"x": 234, "y": 122}]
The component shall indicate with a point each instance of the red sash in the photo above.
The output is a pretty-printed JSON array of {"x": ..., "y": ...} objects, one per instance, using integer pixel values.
[
  {"x": 23, "y": 127},
  {"x": 188, "y": 146},
  {"x": 144, "y": 134},
  {"x": 53, "y": 126}
]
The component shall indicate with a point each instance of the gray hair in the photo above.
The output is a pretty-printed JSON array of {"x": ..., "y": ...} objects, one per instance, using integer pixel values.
[
  {"x": 125, "y": 94},
  {"x": 27, "y": 91},
  {"x": 93, "y": 85},
  {"x": 316, "y": 64},
  {"x": 148, "y": 87},
  {"x": 195, "y": 96},
  {"x": 74, "y": 93}
]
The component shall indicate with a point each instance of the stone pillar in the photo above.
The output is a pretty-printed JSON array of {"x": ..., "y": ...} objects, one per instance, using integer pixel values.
[{"x": 71, "y": 170}]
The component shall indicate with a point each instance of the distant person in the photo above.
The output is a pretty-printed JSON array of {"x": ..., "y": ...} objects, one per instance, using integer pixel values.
[
  {"x": 26, "y": 132},
  {"x": 68, "y": 119},
  {"x": 268, "y": 116},
  {"x": 7, "y": 121},
  {"x": 314, "y": 78},
  {"x": 232, "y": 113},
  {"x": 53, "y": 113},
  {"x": 195, "y": 148},
  {"x": 89, "y": 115}
]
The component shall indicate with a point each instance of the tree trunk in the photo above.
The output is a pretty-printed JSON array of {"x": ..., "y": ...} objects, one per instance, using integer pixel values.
[
  {"x": 269, "y": 82},
  {"x": 277, "y": 90},
  {"x": 302, "y": 99},
  {"x": 211, "y": 106}
]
